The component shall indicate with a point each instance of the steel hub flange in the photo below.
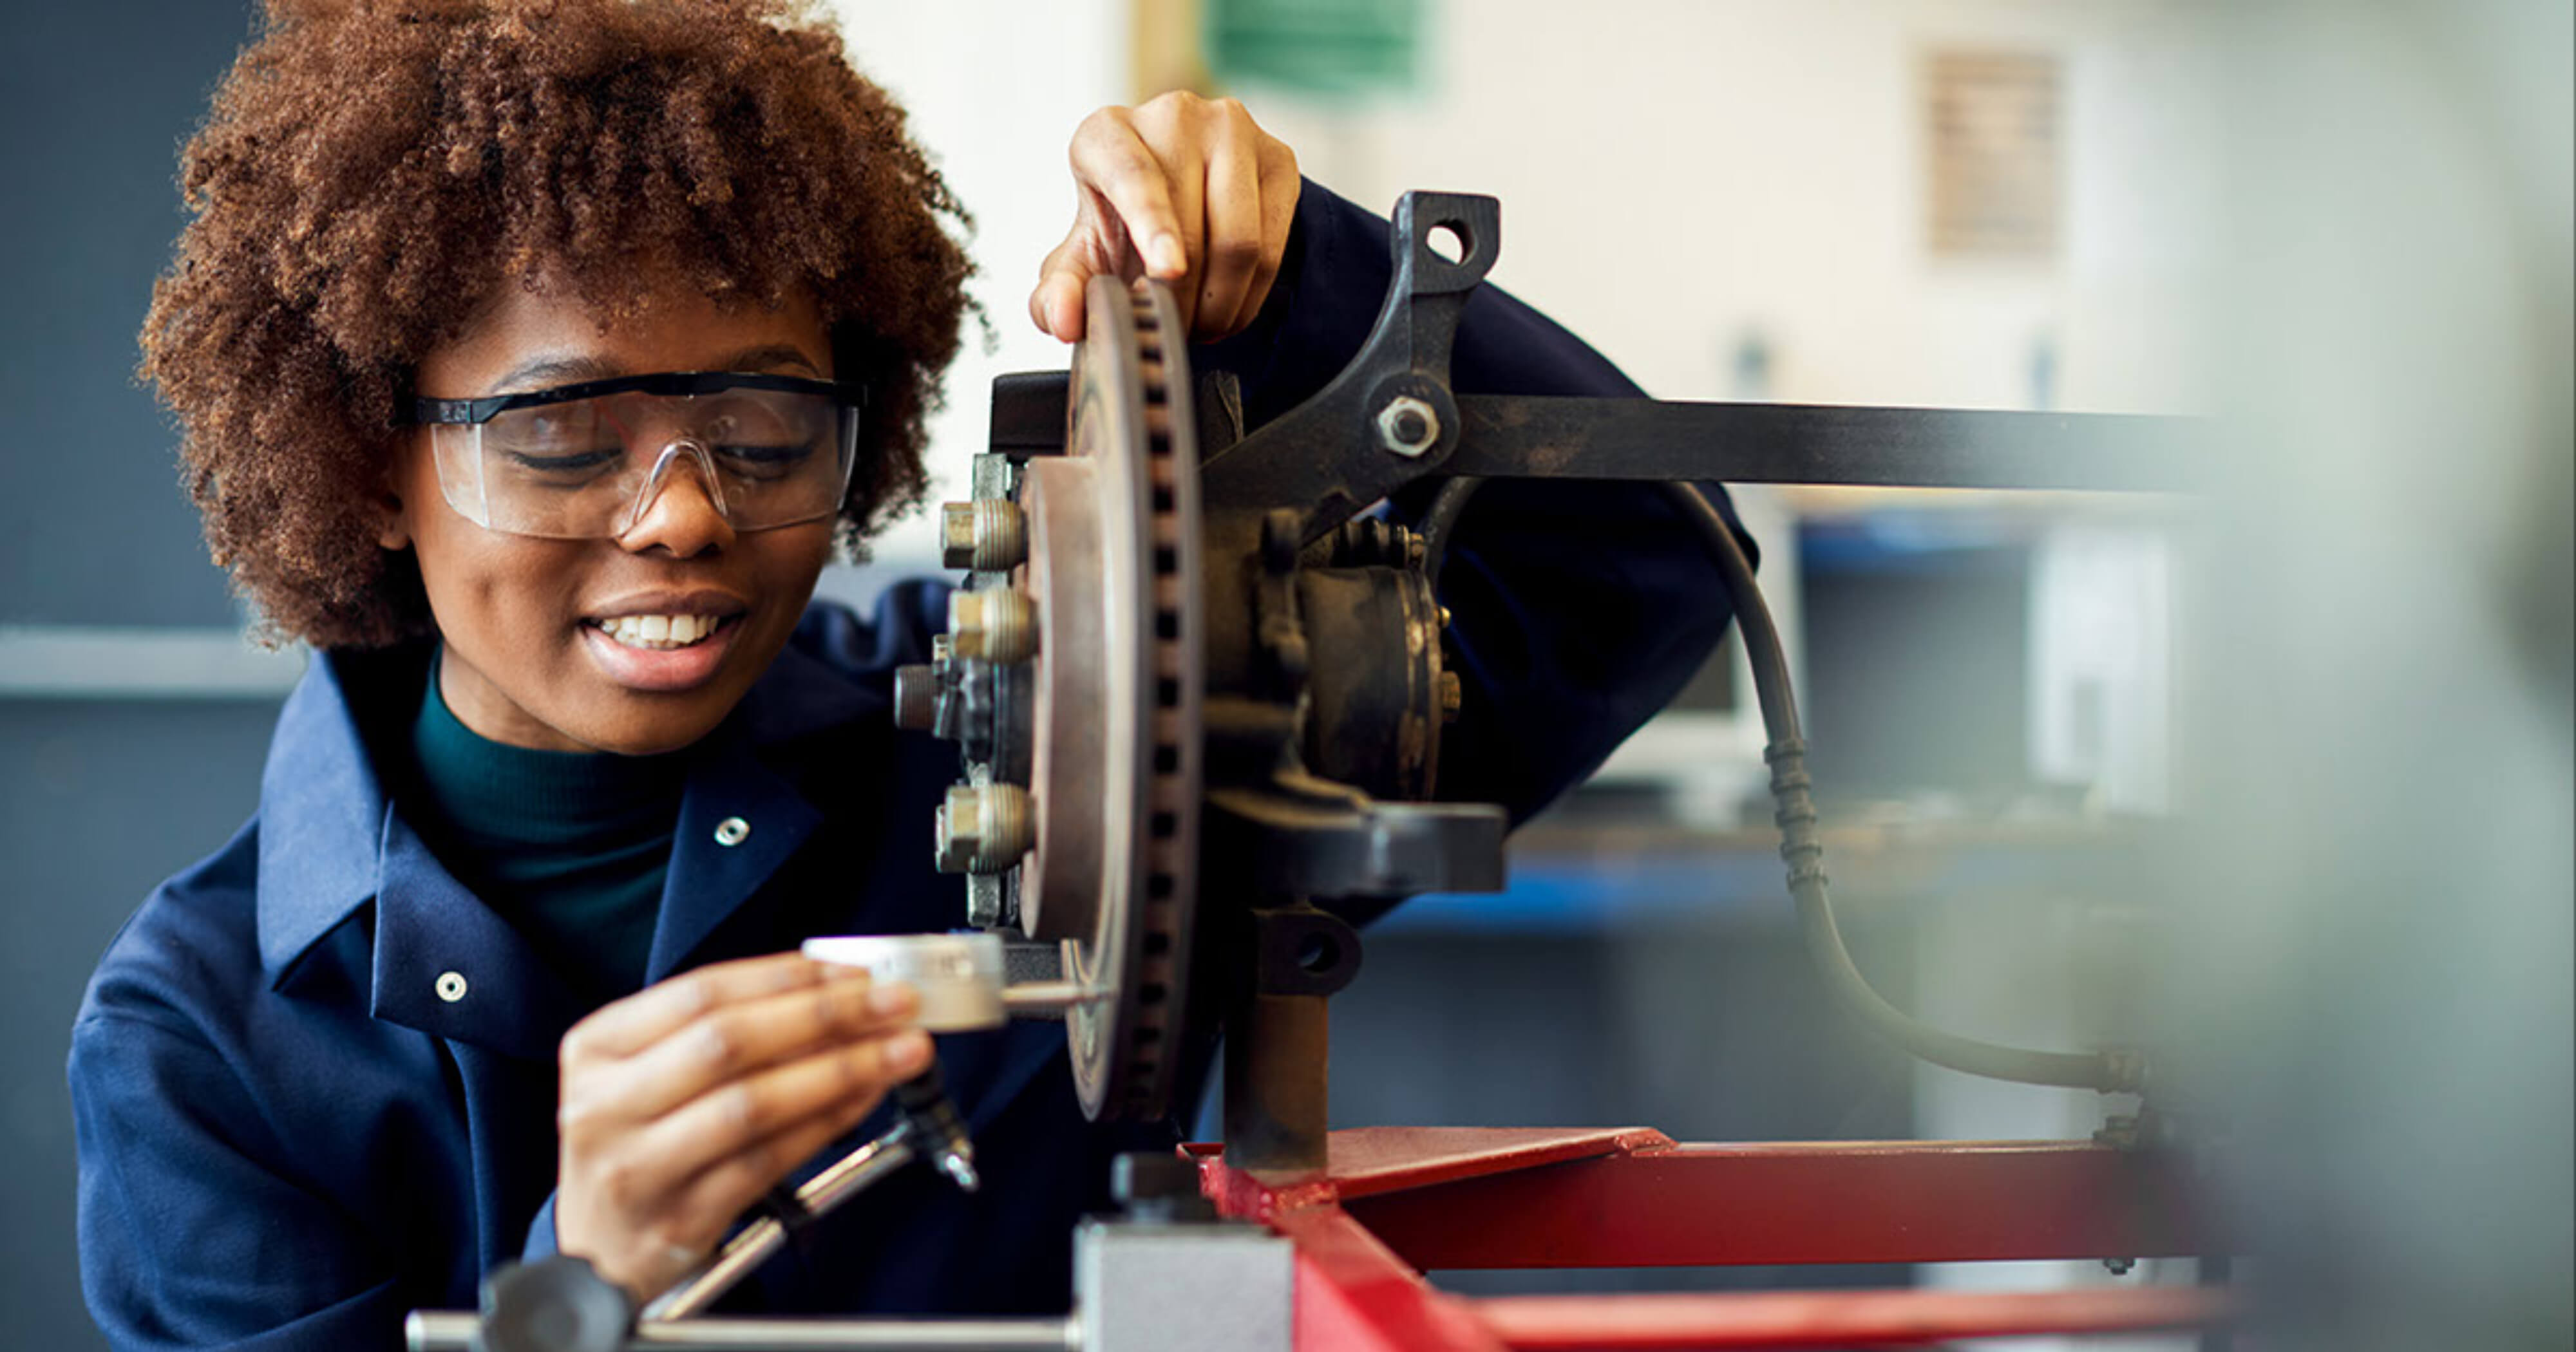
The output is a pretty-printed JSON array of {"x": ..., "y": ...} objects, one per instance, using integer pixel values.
[{"x": 1112, "y": 565}]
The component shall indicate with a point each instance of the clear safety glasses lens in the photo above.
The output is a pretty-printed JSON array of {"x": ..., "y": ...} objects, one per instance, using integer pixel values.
[{"x": 590, "y": 468}]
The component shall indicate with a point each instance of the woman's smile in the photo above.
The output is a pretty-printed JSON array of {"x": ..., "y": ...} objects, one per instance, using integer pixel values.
[{"x": 664, "y": 641}]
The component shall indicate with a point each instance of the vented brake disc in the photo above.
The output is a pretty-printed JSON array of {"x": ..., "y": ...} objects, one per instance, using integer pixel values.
[{"x": 1113, "y": 536}]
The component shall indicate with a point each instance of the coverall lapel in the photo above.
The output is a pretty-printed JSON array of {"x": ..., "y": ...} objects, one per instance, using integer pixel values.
[
  {"x": 451, "y": 967},
  {"x": 739, "y": 821}
]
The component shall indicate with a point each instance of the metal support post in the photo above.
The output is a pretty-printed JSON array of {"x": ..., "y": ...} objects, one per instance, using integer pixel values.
[{"x": 1276, "y": 1054}]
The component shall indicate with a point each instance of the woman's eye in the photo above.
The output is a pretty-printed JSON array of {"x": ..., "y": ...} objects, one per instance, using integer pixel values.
[
  {"x": 764, "y": 460},
  {"x": 566, "y": 463}
]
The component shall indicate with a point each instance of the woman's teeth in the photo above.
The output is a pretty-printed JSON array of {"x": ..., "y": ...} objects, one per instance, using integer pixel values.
[{"x": 659, "y": 631}]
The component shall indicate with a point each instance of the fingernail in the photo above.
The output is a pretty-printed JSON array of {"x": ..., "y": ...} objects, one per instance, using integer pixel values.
[
  {"x": 908, "y": 1053},
  {"x": 1168, "y": 256},
  {"x": 890, "y": 998}
]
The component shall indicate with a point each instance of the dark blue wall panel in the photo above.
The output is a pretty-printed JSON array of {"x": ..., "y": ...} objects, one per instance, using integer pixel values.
[
  {"x": 100, "y": 802},
  {"x": 94, "y": 528}
]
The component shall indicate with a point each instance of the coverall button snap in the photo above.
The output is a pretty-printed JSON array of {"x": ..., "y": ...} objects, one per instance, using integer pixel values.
[
  {"x": 451, "y": 986},
  {"x": 732, "y": 831}
]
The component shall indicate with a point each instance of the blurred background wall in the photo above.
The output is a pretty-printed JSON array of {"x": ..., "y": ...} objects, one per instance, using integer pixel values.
[
  {"x": 2305, "y": 740},
  {"x": 133, "y": 720}
]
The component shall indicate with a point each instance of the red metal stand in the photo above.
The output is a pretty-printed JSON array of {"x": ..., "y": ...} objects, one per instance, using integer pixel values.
[{"x": 1393, "y": 1202}]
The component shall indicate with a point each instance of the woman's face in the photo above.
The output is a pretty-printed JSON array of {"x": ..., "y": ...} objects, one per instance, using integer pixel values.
[{"x": 543, "y": 647}]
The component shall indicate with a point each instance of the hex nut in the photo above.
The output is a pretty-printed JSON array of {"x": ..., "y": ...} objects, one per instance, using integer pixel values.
[{"x": 1408, "y": 426}]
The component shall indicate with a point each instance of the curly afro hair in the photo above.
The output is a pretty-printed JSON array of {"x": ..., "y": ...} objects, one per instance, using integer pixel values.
[{"x": 373, "y": 170}]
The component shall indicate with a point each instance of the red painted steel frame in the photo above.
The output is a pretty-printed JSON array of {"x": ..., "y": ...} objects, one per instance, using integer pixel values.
[{"x": 1394, "y": 1201}]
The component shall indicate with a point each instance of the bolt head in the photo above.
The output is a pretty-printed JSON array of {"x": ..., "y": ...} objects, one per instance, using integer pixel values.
[
  {"x": 1408, "y": 426},
  {"x": 957, "y": 535},
  {"x": 955, "y": 826}
]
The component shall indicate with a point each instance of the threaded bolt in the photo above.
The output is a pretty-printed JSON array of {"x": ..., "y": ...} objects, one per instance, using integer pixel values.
[
  {"x": 997, "y": 625},
  {"x": 987, "y": 535},
  {"x": 985, "y": 828},
  {"x": 916, "y": 697}
]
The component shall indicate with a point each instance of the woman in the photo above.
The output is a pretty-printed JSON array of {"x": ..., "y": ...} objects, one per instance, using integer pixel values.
[{"x": 531, "y": 360}]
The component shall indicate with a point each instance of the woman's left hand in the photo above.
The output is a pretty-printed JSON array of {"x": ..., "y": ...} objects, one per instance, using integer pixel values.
[{"x": 1186, "y": 190}]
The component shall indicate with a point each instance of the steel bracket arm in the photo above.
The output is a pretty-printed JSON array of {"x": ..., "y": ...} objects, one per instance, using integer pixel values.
[
  {"x": 1311, "y": 837},
  {"x": 1389, "y": 417},
  {"x": 1523, "y": 437}
]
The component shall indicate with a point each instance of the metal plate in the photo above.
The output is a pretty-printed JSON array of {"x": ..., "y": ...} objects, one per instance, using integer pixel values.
[{"x": 1113, "y": 562}]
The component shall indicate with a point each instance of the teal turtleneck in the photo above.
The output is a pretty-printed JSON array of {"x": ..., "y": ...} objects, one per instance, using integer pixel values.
[{"x": 571, "y": 846}]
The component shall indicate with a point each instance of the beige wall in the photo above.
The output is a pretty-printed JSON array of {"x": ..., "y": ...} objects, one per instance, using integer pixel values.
[
  {"x": 1675, "y": 175},
  {"x": 1676, "y": 172}
]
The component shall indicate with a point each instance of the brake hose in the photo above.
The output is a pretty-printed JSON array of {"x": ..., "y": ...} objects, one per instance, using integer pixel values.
[{"x": 2110, "y": 1072}]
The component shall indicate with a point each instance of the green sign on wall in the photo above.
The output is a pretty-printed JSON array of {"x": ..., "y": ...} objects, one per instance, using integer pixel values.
[{"x": 1320, "y": 46}]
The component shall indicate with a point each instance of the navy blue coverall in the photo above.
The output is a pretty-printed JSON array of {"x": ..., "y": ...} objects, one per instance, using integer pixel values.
[{"x": 289, "y": 1136}]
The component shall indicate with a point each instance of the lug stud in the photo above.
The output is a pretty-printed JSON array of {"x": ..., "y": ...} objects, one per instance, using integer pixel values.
[
  {"x": 985, "y": 828},
  {"x": 997, "y": 625},
  {"x": 988, "y": 535},
  {"x": 916, "y": 697}
]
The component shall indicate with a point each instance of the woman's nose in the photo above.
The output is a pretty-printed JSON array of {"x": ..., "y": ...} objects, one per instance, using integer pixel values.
[{"x": 677, "y": 509}]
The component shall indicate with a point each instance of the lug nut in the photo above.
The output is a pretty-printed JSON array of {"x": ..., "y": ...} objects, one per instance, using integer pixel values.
[
  {"x": 988, "y": 535},
  {"x": 998, "y": 625},
  {"x": 985, "y": 828}
]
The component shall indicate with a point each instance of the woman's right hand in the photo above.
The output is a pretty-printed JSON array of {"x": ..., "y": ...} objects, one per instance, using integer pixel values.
[{"x": 685, "y": 1102}]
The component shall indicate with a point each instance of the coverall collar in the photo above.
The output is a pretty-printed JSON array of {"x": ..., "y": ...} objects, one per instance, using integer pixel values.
[{"x": 331, "y": 841}]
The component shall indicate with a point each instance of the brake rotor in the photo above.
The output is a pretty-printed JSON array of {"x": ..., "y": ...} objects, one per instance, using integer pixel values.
[{"x": 1113, "y": 557}]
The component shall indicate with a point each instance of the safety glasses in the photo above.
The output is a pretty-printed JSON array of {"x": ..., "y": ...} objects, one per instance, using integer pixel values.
[{"x": 585, "y": 461}]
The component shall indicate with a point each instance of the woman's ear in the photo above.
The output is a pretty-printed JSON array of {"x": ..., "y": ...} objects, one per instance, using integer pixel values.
[
  {"x": 393, "y": 517},
  {"x": 393, "y": 528}
]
